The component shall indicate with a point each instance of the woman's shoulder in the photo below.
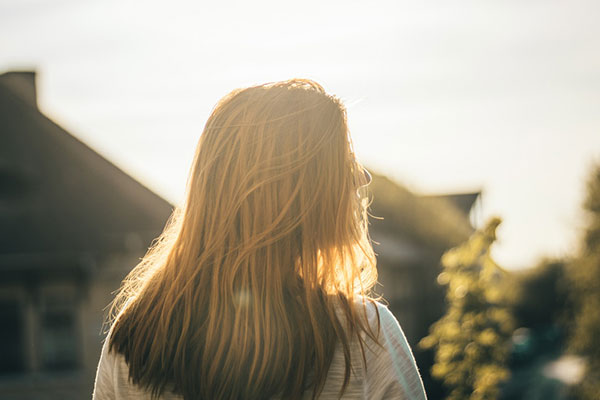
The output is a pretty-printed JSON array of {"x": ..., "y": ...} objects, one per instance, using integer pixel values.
[
  {"x": 376, "y": 313},
  {"x": 380, "y": 317},
  {"x": 112, "y": 377},
  {"x": 391, "y": 368},
  {"x": 372, "y": 314}
]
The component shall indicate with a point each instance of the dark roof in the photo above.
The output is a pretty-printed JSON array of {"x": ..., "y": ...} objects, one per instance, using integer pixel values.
[
  {"x": 463, "y": 201},
  {"x": 57, "y": 195},
  {"x": 435, "y": 222}
]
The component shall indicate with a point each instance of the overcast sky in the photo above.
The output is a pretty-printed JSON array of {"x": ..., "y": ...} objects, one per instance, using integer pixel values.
[{"x": 444, "y": 96}]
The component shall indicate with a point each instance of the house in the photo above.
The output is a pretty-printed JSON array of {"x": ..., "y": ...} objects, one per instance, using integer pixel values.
[
  {"x": 410, "y": 234},
  {"x": 72, "y": 225},
  {"x": 409, "y": 241}
]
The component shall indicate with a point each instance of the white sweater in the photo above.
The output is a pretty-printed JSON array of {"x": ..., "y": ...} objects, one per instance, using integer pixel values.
[{"x": 391, "y": 370}]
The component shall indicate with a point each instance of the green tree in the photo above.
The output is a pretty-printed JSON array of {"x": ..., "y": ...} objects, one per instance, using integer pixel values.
[
  {"x": 585, "y": 289},
  {"x": 471, "y": 340}
]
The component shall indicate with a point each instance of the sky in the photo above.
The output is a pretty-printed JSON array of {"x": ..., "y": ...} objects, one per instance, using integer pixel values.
[{"x": 443, "y": 96}]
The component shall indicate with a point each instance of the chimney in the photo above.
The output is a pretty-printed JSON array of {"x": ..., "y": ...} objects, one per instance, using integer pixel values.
[{"x": 22, "y": 83}]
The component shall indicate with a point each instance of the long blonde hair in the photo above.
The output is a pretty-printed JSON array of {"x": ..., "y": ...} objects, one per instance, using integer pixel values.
[{"x": 240, "y": 297}]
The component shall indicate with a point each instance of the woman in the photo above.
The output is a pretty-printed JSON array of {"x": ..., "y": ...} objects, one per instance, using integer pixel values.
[{"x": 258, "y": 287}]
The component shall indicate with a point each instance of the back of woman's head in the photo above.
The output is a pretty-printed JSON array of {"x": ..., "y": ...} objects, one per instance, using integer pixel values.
[{"x": 254, "y": 280}]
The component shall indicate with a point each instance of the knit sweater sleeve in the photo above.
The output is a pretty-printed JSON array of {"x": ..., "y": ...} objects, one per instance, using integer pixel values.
[
  {"x": 391, "y": 368},
  {"x": 104, "y": 387}
]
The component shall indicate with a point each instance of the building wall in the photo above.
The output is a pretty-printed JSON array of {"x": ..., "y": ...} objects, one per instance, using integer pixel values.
[{"x": 61, "y": 330}]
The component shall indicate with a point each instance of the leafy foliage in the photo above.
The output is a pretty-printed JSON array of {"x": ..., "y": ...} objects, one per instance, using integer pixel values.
[
  {"x": 472, "y": 339},
  {"x": 585, "y": 281}
]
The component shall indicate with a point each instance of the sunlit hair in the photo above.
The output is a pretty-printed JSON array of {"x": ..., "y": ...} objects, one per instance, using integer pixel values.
[{"x": 268, "y": 264}]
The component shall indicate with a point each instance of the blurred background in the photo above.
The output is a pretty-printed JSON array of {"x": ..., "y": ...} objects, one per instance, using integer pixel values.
[{"x": 463, "y": 110}]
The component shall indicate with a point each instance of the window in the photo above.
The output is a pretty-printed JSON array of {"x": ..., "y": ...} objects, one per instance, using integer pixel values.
[
  {"x": 58, "y": 337},
  {"x": 11, "y": 337}
]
